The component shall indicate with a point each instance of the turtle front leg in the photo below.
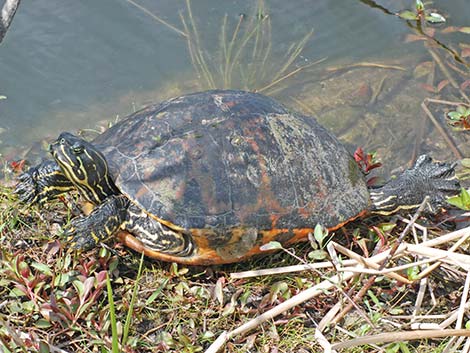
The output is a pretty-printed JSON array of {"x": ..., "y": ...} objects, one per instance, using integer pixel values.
[
  {"x": 86, "y": 232},
  {"x": 42, "y": 183}
]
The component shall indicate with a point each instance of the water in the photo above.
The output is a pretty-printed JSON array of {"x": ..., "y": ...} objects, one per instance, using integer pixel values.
[{"x": 70, "y": 65}]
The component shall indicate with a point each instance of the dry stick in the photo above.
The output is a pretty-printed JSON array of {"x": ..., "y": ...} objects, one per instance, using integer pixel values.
[
  {"x": 353, "y": 303},
  {"x": 156, "y": 18},
  {"x": 8, "y": 12},
  {"x": 365, "y": 64},
  {"x": 440, "y": 101},
  {"x": 452, "y": 249},
  {"x": 328, "y": 284},
  {"x": 439, "y": 128},
  {"x": 463, "y": 301},
  {"x": 290, "y": 303},
  {"x": 443, "y": 239},
  {"x": 405, "y": 232},
  {"x": 400, "y": 337},
  {"x": 393, "y": 270},
  {"x": 322, "y": 341},
  {"x": 370, "y": 265},
  {"x": 288, "y": 269},
  {"x": 279, "y": 309},
  {"x": 452, "y": 317}
]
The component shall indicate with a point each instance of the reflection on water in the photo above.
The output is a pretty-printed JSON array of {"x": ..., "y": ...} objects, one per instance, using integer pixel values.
[{"x": 70, "y": 65}]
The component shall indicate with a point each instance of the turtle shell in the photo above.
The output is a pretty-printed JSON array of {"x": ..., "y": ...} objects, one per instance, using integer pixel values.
[{"x": 234, "y": 167}]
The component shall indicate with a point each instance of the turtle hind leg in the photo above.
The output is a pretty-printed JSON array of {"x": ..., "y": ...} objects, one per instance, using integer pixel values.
[
  {"x": 100, "y": 224},
  {"x": 436, "y": 180},
  {"x": 157, "y": 236}
]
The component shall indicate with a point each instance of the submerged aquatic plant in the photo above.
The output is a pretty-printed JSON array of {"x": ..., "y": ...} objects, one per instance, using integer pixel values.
[
  {"x": 421, "y": 13},
  {"x": 245, "y": 55}
]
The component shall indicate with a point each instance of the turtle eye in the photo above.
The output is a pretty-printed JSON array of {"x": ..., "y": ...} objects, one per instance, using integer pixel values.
[
  {"x": 77, "y": 148},
  {"x": 62, "y": 141}
]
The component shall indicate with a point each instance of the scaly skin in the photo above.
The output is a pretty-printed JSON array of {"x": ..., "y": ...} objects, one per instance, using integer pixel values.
[
  {"x": 427, "y": 178},
  {"x": 42, "y": 183}
]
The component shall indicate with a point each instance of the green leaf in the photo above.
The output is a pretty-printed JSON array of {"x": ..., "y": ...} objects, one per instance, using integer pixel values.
[
  {"x": 43, "y": 268},
  {"x": 207, "y": 335},
  {"x": 219, "y": 290},
  {"x": 454, "y": 115},
  {"x": 317, "y": 255},
  {"x": 78, "y": 287},
  {"x": 461, "y": 109},
  {"x": 61, "y": 280},
  {"x": 423, "y": 69},
  {"x": 461, "y": 29},
  {"x": 42, "y": 323},
  {"x": 461, "y": 201},
  {"x": 419, "y": 5},
  {"x": 319, "y": 234},
  {"x": 374, "y": 298},
  {"x": 435, "y": 17},
  {"x": 465, "y": 162},
  {"x": 412, "y": 272},
  {"x": 157, "y": 292},
  {"x": 44, "y": 347},
  {"x": 408, "y": 15},
  {"x": 272, "y": 245}
]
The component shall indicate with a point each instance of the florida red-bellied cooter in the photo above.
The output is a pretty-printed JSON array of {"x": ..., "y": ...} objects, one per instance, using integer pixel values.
[{"x": 207, "y": 178}]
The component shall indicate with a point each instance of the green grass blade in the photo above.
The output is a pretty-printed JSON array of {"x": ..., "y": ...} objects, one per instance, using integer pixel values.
[
  {"x": 199, "y": 49},
  {"x": 296, "y": 52},
  {"x": 228, "y": 57},
  {"x": 112, "y": 314},
  {"x": 127, "y": 324}
]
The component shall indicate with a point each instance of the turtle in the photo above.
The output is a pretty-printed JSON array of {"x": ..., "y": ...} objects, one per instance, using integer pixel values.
[{"x": 210, "y": 177}]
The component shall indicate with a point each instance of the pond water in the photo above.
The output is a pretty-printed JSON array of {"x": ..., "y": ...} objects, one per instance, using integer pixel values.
[{"x": 75, "y": 64}]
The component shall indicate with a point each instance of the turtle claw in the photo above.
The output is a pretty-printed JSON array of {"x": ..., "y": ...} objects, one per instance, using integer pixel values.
[
  {"x": 79, "y": 236},
  {"x": 436, "y": 180},
  {"x": 86, "y": 232},
  {"x": 439, "y": 177},
  {"x": 42, "y": 183}
]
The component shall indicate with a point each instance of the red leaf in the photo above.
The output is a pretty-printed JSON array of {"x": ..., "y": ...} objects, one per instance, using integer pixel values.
[
  {"x": 442, "y": 84},
  {"x": 18, "y": 166},
  {"x": 413, "y": 38},
  {"x": 428, "y": 88},
  {"x": 465, "y": 53},
  {"x": 465, "y": 84}
]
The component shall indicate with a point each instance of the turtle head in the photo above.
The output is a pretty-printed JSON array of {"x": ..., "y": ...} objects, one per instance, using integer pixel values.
[{"x": 84, "y": 166}]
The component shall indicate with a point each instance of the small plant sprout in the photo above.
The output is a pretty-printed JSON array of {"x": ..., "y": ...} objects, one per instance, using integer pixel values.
[
  {"x": 421, "y": 13},
  {"x": 459, "y": 118},
  {"x": 367, "y": 162},
  {"x": 317, "y": 240}
]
